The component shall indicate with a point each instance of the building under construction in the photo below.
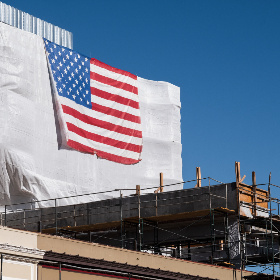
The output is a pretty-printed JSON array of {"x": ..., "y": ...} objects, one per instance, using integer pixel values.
[
  {"x": 233, "y": 225},
  {"x": 67, "y": 213}
]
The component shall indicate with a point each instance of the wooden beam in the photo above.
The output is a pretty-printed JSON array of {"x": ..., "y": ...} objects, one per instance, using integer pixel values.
[
  {"x": 242, "y": 179},
  {"x": 137, "y": 189},
  {"x": 237, "y": 176},
  {"x": 160, "y": 188},
  {"x": 237, "y": 172},
  {"x": 161, "y": 181},
  {"x": 198, "y": 177}
]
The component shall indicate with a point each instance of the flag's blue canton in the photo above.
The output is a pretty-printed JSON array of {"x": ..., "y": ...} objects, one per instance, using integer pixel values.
[{"x": 71, "y": 72}]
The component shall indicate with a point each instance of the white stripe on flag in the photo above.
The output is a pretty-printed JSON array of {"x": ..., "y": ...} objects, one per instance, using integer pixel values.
[
  {"x": 103, "y": 147},
  {"x": 103, "y": 132},
  {"x": 112, "y": 75},
  {"x": 112, "y": 90},
  {"x": 114, "y": 105},
  {"x": 98, "y": 115}
]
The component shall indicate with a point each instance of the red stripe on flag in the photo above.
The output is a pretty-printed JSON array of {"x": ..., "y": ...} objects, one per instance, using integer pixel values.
[
  {"x": 115, "y": 113},
  {"x": 102, "y": 124},
  {"x": 105, "y": 140},
  {"x": 113, "y": 83},
  {"x": 114, "y": 97},
  {"x": 82, "y": 148},
  {"x": 112, "y": 69}
]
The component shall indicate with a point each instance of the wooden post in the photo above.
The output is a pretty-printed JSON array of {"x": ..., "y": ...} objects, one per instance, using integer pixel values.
[
  {"x": 161, "y": 181},
  {"x": 137, "y": 189},
  {"x": 198, "y": 177},
  {"x": 160, "y": 188},
  {"x": 237, "y": 175},
  {"x": 254, "y": 185}
]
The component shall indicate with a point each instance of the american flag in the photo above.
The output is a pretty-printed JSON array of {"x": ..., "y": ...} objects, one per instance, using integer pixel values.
[{"x": 100, "y": 105}]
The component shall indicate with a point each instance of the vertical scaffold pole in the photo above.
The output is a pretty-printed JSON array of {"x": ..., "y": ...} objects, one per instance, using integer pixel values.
[
  {"x": 139, "y": 221},
  {"x": 156, "y": 246},
  {"x": 238, "y": 179},
  {"x": 227, "y": 237},
  {"x": 55, "y": 209},
  {"x": 267, "y": 244},
  {"x": 212, "y": 217},
  {"x": 209, "y": 196},
  {"x": 271, "y": 225},
  {"x": 1, "y": 274},
  {"x": 211, "y": 224},
  {"x": 226, "y": 196},
  {"x": 5, "y": 217},
  {"x": 278, "y": 258},
  {"x": 254, "y": 182},
  {"x": 121, "y": 210},
  {"x": 59, "y": 270}
]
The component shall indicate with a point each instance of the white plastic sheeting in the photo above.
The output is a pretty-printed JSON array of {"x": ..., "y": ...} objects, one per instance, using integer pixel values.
[{"x": 33, "y": 166}]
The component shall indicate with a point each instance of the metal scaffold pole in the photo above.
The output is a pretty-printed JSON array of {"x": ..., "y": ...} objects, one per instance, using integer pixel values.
[
  {"x": 121, "y": 211},
  {"x": 59, "y": 270},
  {"x": 211, "y": 225},
  {"x": 1, "y": 275},
  {"x": 271, "y": 226},
  {"x": 139, "y": 220},
  {"x": 55, "y": 209}
]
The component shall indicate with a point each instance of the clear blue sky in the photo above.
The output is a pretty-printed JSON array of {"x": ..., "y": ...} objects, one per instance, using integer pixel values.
[{"x": 224, "y": 55}]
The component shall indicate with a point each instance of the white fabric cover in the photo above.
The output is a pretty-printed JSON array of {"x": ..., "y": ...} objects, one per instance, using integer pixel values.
[{"x": 34, "y": 166}]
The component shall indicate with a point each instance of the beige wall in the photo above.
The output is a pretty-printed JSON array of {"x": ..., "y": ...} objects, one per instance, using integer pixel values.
[
  {"x": 19, "y": 270},
  {"x": 19, "y": 244},
  {"x": 18, "y": 237},
  {"x": 48, "y": 273},
  {"x": 91, "y": 250}
]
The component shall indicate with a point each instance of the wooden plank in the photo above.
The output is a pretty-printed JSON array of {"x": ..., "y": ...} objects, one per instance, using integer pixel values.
[
  {"x": 224, "y": 210},
  {"x": 251, "y": 195},
  {"x": 92, "y": 227}
]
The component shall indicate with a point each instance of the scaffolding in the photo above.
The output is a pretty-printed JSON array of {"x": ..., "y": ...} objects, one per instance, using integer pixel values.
[{"x": 234, "y": 225}]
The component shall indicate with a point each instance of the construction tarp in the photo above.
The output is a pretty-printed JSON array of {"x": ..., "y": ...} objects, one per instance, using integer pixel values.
[{"x": 34, "y": 166}]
